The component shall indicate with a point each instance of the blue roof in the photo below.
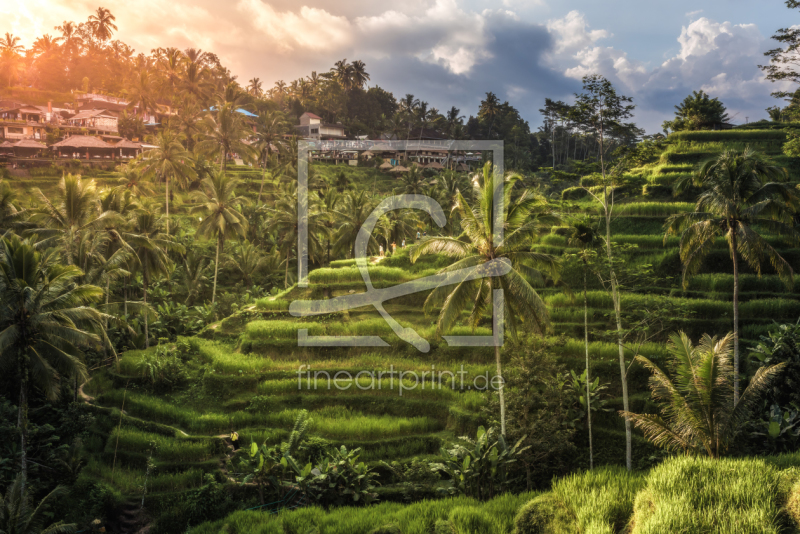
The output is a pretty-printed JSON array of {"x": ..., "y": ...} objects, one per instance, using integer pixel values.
[{"x": 240, "y": 110}]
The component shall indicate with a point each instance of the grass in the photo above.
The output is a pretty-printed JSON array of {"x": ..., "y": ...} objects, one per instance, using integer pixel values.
[
  {"x": 712, "y": 496},
  {"x": 131, "y": 482},
  {"x": 177, "y": 449},
  {"x": 652, "y": 209},
  {"x": 728, "y": 136},
  {"x": 464, "y": 514}
]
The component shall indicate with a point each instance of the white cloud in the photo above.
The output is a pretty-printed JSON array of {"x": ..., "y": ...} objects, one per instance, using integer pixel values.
[{"x": 572, "y": 33}]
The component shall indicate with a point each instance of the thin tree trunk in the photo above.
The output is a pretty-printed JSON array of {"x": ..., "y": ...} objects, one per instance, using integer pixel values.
[
  {"x": 500, "y": 391},
  {"x": 263, "y": 177},
  {"x": 216, "y": 270},
  {"x": 105, "y": 320},
  {"x": 735, "y": 319},
  {"x": 286, "y": 276},
  {"x": 588, "y": 378},
  {"x": 22, "y": 423},
  {"x": 615, "y": 297},
  {"x": 166, "y": 181},
  {"x": 146, "y": 333}
]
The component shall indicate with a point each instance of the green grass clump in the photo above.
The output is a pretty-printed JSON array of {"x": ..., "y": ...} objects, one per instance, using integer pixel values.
[
  {"x": 714, "y": 496},
  {"x": 272, "y": 304},
  {"x": 176, "y": 449},
  {"x": 417, "y": 518},
  {"x": 594, "y": 502},
  {"x": 728, "y": 135},
  {"x": 652, "y": 209},
  {"x": 131, "y": 482}
]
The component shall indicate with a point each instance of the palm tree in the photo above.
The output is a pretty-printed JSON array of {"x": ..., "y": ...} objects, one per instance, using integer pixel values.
[
  {"x": 586, "y": 238},
  {"x": 413, "y": 181},
  {"x": 225, "y": 132},
  {"x": 142, "y": 93},
  {"x": 188, "y": 120},
  {"x": 10, "y": 214},
  {"x": 45, "y": 321},
  {"x": 170, "y": 161},
  {"x": 699, "y": 413},
  {"x": 271, "y": 126},
  {"x": 489, "y": 109},
  {"x": 72, "y": 40},
  {"x": 218, "y": 201},
  {"x": 195, "y": 82},
  {"x": 10, "y": 52},
  {"x": 255, "y": 87},
  {"x": 522, "y": 219},
  {"x": 133, "y": 181},
  {"x": 151, "y": 246},
  {"x": 739, "y": 199},
  {"x": 102, "y": 24},
  {"x": 195, "y": 267},
  {"x": 77, "y": 211},
  {"x": 284, "y": 221},
  {"x": 359, "y": 73},
  {"x": 18, "y": 516},
  {"x": 45, "y": 44},
  {"x": 11, "y": 43},
  {"x": 247, "y": 259},
  {"x": 171, "y": 66},
  {"x": 355, "y": 208}
]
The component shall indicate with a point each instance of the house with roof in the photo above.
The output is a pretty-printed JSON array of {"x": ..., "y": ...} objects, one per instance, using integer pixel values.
[
  {"x": 83, "y": 147},
  {"x": 22, "y": 122},
  {"x": 312, "y": 127},
  {"x": 95, "y": 120}
]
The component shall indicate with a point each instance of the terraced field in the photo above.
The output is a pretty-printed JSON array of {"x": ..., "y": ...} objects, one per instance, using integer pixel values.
[{"x": 255, "y": 379}]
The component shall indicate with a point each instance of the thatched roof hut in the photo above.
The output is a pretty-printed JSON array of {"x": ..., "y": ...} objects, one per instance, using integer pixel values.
[
  {"x": 385, "y": 166},
  {"x": 83, "y": 146},
  {"x": 27, "y": 148}
]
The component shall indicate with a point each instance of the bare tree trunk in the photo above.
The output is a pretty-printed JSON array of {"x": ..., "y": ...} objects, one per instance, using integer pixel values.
[
  {"x": 588, "y": 378},
  {"x": 735, "y": 319},
  {"x": 216, "y": 270},
  {"x": 22, "y": 423},
  {"x": 105, "y": 320},
  {"x": 286, "y": 276},
  {"x": 500, "y": 391},
  {"x": 166, "y": 182},
  {"x": 146, "y": 333}
]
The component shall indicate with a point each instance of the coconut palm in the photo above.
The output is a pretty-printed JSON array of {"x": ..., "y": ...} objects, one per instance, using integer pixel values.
[
  {"x": 255, "y": 87},
  {"x": 414, "y": 183},
  {"x": 585, "y": 237},
  {"x": 523, "y": 218},
  {"x": 169, "y": 160},
  {"x": 224, "y": 133},
  {"x": 70, "y": 38},
  {"x": 45, "y": 322},
  {"x": 141, "y": 94},
  {"x": 102, "y": 24},
  {"x": 10, "y": 215},
  {"x": 19, "y": 516},
  {"x": 11, "y": 43},
  {"x": 134, "y": 182},
  {"x": 354, "y": 209},
  {"x": 742, "y": 196},
  {"x": 284, "y": 221},
  {"x": 359, "y": 73},
  {"x": 77, "y": 210},
  {"x": 151, "y": 245},
  {"x": 196, "y": 82},
  {"x": 271, "y": 126},
  {"x": 221, "y": 206},
  {"x": 698, "y": 413},
  {"x": 247, "y": 260},
  {"x": 195, "y": 276}
]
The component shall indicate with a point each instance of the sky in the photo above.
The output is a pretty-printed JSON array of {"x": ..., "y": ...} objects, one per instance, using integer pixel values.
[{"x": 451, "y": 52}]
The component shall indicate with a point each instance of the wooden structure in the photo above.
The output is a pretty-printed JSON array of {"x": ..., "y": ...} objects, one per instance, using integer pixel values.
[
  {"x": 28, "y": 148},
  {"x": 83, "y": 147}
]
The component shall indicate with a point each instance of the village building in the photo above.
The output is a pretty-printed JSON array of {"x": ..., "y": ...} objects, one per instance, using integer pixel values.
[
  {"x": 84, "y": 147},
  {"x": 95, "y": 121},
  {"x": 312, "y": 127},
  {"x": 22, "y": 122}
]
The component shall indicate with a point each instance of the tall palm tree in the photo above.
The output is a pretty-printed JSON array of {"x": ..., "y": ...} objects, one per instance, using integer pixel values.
[
  {"x": 523, "y": 218},
  {"x": 354, "y": 209},
  {"x": 221, "y": 206},
  {"x": 11, "y": 43},
  {"x": 45, "y": 322},
  {"x": 169, "y": 161},
  {"x": 224, "y": 133},
  {"x": 70, "y": 37},
  {"x": 414, "y": 183},
  {"x": 284, "y": 220},
  {"x": 254, "y": 88},
  {"x": 171, "y": 66},
  {"x": 151, "y": 245},
  {"x": 196, "y": 82},
  {"x": 699, "y": 415},
  {"x": 10, "y": 50},
  {"x": 271, "y": 126},
  {"x": 741, "y": 196},
  {"x": 77, "y": 210},
  {"x": 188, "y": 120},
  {"x": 133, "y": 181},
  {"x": 584, "y": 236},
  {"x": 44, "y": 44},
  {"x": 141, "y": 94},
  {"x": 359, "y": 73},
  {"x": 102, "y": 24},
  {"x": 247, "y": 260},
  {"x": 10, "y": 213},
  {"x": 18, "y": 516}
]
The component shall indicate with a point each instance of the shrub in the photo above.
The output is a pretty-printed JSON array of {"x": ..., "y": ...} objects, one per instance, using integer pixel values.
[
  {"x": 574, "y": 193},
  {"x": 727, "y": 135}
]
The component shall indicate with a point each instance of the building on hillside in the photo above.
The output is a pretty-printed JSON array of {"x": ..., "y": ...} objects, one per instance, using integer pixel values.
[
  {"x": 84, "y": 147},
  {"x": 125, "y": 149},
  {"x": 22, "y": 122},
  {"x": 95, "y": 120},
  {"x": 312, "y": 127},
  {"x": 27, "y": 148}
]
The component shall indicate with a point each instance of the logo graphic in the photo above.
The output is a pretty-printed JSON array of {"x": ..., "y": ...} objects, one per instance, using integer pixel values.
[{"x": 376, "y": 297}]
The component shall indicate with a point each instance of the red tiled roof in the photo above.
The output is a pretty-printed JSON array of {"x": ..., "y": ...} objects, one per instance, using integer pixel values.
[{"x": 309, "y": 114}]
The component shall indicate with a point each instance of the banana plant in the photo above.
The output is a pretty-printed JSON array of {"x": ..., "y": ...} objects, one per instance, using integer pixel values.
[
  {"x": 338, "y": 480},
  {"x": 480, "y": 468}
]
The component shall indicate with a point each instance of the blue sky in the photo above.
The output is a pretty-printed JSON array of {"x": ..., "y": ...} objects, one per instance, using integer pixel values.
[{"x": 450, "y": 52}]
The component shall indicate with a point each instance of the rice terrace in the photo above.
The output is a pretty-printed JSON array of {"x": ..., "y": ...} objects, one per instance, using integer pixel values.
[{"x": 518, "y": 268}]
